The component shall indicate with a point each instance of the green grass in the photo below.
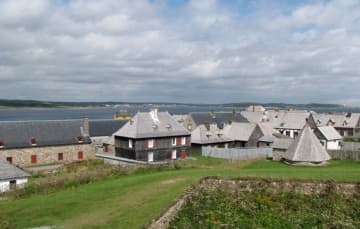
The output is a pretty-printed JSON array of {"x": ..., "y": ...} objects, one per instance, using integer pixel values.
[{"x": 134, "y": 200}]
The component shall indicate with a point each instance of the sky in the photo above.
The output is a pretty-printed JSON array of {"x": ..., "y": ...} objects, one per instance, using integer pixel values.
[{"x": 190, "y": 51}]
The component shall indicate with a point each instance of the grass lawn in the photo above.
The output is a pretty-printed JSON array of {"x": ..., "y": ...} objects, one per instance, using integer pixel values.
[{"x": 132, "y": 201}]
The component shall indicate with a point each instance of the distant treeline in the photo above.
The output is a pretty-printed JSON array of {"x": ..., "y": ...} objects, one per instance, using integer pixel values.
[{"x": 48, "y": 104}]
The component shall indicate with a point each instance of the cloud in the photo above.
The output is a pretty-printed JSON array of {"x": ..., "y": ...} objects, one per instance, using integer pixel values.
[{"x": 199, "y": 51}]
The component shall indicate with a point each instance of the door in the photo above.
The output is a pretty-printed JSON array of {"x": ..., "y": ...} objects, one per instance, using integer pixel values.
[
  {"x": 173, "y": 154},
  {"x": 150, "y": 156}
]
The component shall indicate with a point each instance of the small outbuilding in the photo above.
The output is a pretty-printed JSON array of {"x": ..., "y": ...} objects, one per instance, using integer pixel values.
[
  {"x": 329, "y": 137},
  {"x": 306, "y": 149},
  {"x": 11, "y": 176}
]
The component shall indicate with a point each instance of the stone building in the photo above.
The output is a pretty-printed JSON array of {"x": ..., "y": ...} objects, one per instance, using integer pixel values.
[
  {"x": 25, "y": 143},
  {"x": 152, "y": 136}
]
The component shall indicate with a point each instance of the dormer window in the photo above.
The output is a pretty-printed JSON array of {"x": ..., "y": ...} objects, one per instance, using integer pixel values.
[
  {"x": 33, "y": 141},
  {"x": 80, "y": 139},
  {"x": 1, "y": 144},
  {"x": 345, "y": 123}
]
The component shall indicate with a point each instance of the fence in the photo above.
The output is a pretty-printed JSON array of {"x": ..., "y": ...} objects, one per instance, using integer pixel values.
[
  {"x": 344, "y": 154},
  {"x": 236, "y": 153},
  {"x": 351, "y": 146}
]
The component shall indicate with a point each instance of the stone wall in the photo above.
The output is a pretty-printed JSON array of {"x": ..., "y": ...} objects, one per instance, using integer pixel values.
[
  {"x": 278, "y": 154},
  {"x": 47, "y": 155}
]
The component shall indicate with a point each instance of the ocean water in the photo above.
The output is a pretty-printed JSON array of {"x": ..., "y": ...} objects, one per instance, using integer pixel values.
[{"x": 108, "y": 112}]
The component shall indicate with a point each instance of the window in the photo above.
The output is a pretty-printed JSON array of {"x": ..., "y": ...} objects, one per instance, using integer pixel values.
[
  {"x": 173, "y": 154},
  {"x": 80, "y": 155},
  {"x": 150, "y": 143},
  {"x": 173, "y": 141},
  {"x": 80, "y": 139},
  {"x": 130, "y": 143},
  {"x": 106, "y": 148},
  {"x": 33, "y": 141},
  {"x": 183, "y": 141},
  {"x": 9, "y": 159},
  {"x": 33, "y": 159},
  {"x": 60, "y": 156},
  {"x": 1, "y": 144},
  {"x": 178, "y": 141}
]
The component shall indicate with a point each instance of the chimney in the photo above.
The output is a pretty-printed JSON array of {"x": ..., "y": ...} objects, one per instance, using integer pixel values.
[
  {"x": 154, "y": 115},
  {"x": 85, "y": 127}
]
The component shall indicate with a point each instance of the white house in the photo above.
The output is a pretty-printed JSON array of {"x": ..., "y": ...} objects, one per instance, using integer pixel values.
[
  {"x": 329, "y": 137},
  {"x": 11, "y": 176}
]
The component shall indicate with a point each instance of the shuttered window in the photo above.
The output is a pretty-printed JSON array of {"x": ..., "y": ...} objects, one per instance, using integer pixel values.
[
  {"x": 80, "y": 155},
  {"x": 60, "y": 156},
  {"x": 33, "y": 159}
]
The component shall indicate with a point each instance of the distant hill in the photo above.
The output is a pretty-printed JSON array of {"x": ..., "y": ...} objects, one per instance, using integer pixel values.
[{"x": 5, "y": 103}]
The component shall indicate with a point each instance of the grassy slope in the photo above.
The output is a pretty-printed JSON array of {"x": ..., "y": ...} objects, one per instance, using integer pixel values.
[{"x": 134, "y": 200}]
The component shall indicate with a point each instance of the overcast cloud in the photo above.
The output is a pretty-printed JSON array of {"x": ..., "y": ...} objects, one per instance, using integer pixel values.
[{"x": 200, "y": 51}]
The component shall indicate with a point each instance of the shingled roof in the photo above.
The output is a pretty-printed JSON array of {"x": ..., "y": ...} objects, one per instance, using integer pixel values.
[
  {"x": 350, "y": 120},
  {"x": 46, "y": 133},
  {"x": 8, "y": 171},
  {"x": 239, "y": 131},
  {"x": 306, "y": 148},
  {"x": 105, "y": 127},
  {"x": 329, "y": 133},
  {"x": 208, "y": 134},
  {"x": 220, "y": 118},
  {"x": 151, "y": 124}
]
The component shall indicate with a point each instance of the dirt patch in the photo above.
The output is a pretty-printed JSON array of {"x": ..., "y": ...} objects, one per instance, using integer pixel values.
[{"x": 172, "y": 181}]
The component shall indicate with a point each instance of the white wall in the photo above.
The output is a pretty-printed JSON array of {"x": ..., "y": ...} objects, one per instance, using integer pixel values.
[
  {"x": 333, "y": 145},
  {"x": 5, "y": 184}
]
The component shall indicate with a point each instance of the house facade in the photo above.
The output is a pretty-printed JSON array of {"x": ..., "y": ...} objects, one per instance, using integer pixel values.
[
  {"x": 28, "y": 143},
  {"x": 152, "y": 136}
]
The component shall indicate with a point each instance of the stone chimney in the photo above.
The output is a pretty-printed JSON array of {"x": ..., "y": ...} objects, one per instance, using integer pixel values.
[
  {"x": 154, "y": 115},
  {"x": 85, "y": 127}
]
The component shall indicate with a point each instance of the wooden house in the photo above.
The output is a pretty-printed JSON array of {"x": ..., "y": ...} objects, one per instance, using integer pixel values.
[
  {"x": 11, "y": 176},
  {"x": 152, "y": 136},
  {"x": 329, "y": 137}
]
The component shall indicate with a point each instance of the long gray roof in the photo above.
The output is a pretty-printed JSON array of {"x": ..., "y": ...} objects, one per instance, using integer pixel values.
[
  {"x": 46, "y": 133},
  {"x": 212, "y": 134},
  {"x": 105, "y": 127},
  {"x": 220, "y": 118},
  {"x": 239, "y": 131},
  {"x": 306, "y": 148},
  {"x": 329, "y": 133},
  {"x": 338, "y": 120},
  {"x": 8, "y": 171},
  {"x": 292, "y": 120},
  {"x": 148, "y": 125}
]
